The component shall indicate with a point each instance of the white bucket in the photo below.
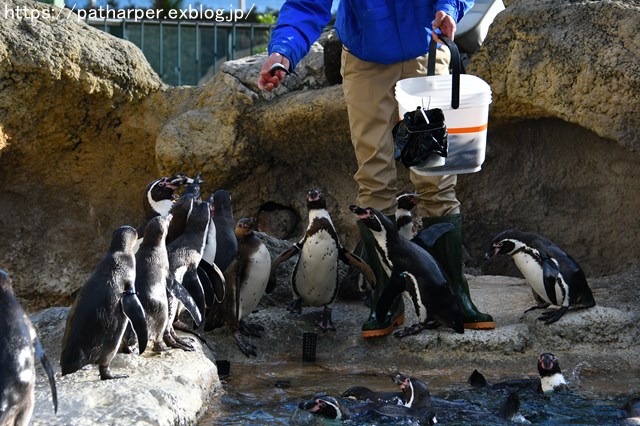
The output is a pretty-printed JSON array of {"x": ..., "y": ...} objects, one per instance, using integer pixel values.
[{"x": 467, "y": 125}]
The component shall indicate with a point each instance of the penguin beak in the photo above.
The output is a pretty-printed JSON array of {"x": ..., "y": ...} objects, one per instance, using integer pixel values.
[
  {"x": 313, "y": 195},
  {"x": 491, "y": 253}
]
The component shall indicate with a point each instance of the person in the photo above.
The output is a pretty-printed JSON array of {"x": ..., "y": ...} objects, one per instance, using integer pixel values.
[{"x": 383, "y": 41}]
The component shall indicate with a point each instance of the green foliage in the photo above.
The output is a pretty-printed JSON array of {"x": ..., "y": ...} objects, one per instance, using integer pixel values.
[{"x": 267, "y": 18}]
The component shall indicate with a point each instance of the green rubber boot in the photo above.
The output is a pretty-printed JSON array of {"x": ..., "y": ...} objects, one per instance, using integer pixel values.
[
  {"x": 395, "y": 317},
  {"x": 448, "y": 252}
]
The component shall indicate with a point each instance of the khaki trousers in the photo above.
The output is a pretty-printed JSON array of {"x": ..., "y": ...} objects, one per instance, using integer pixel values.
[{"x": 369, "y": 90}]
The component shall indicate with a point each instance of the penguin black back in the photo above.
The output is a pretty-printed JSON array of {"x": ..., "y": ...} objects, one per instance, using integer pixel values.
[{"x": 226, "y": 242}]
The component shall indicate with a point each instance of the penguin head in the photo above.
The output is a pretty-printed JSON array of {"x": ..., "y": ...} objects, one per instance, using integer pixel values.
[
  {"x": 325, "y": 406},
  {"x": 156, "y": 230},
  {"x": 164, "y": 187},
  {"x": 316, "y": 200},
  {"x": 194, "y": 186},
  {"x": 548, "y": 365},
  {"x": 506, "y": 242},
  {"x": 373, "y": 219},
  {"x": 245, "y": 226},
  {"x": 123, "y": 239},
  {"x": 222, "y": 201},
  {"x": 406, "y": 200},
  {"x": 415, "y": 391}
]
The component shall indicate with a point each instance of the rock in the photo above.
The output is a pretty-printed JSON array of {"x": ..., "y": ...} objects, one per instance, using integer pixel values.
[
  {"x": 170, "y": 388},
  {"x": 577, "y": 61}
]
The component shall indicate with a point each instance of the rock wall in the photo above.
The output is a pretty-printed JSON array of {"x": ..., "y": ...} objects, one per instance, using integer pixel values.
[{"x": 85, "y": 124}]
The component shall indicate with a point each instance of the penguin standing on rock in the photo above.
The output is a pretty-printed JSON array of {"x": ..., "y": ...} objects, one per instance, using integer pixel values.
[
  {"x": 414, "y": 270},
  {"x": 21, "y": 347},
  {"x": 103, "y": 308},
  {"x": 154, "y": 281},
  {"x": 315, "y": 276},
  {"x": 555, "y": 278},
  {"x": 247, "y": 279}
]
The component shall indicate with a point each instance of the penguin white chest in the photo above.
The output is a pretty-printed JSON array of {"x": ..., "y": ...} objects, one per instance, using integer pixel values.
[
  {"x": 253, "y": 286},
  {"x": 532, "y": 272},
  {"x": 316, "y": 276}
]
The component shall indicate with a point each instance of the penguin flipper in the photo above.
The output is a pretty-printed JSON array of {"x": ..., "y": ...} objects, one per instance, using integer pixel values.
[
  {"x": 550, "y": 273},
  {"x": 192, "y": 283},
  {"x": 427, "y": 237},
  {"x": 393, "y": 289},
  {"x": 510, "y": 406},
  {"x": 42, "y": 357},
  {"x": 284, "y": 256},
  {"x": 181, "y": 293},
  {"x": 355, "y": 261},
  {"x": 216, "y": 278},
  {"x": 132, "y": 308}
]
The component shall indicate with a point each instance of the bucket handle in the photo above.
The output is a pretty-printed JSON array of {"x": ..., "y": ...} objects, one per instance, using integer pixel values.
[{"x": 455, "y": 64}]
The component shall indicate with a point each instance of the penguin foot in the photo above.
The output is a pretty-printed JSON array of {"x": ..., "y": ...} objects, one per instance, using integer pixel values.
[
  {"x": 173, "y": 341},
  {"x": 295, "y": 307},
  {"x": 410, "y": 331},
  {"x": 325, "y": 322},
  {"x": 251, "y": 330},
  {"x": 245, "y": 347},
  {"x": 105, "y": 373},
  {"x": 543, "y": 306},
  {"x": 159, "y": 346},
  {"x": 550, "y": 317}
]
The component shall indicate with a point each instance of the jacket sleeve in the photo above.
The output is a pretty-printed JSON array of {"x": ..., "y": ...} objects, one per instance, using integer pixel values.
[
  {"x": 454, "y": 8},
  {"x": 299, "y": 25}
]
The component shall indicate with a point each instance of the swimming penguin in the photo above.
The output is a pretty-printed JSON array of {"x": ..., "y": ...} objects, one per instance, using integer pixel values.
[
  {"x": 154, "y": 281},
  {"x": 326, "y": 406},
  {"x": 247, "y": 279},
  {"x": 414, "y": 270},
  {"x": 404, "y": 220},
  {"x": 632, "y": 412},
  {"x": 551, "y": 378},
  {"x": 21, "y": 347},
  {"x": 555, "y": 278},
  {"x": 315, "y": 276},
  {"x": 104, "y": 306}
]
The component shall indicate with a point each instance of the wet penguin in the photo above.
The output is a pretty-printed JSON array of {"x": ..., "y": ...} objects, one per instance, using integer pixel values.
[
  {"x": 103, "y": 308},
  {"x": 414, "y": 270},
  {"x": 247, "y": 279},
  {"x": 315, "y": 277},
  {"x": 154, "y": 281},
  {"x": 555, "y": 278},
  {"x": 21, "y": 347},
  {"x": 551, "y": 378}
]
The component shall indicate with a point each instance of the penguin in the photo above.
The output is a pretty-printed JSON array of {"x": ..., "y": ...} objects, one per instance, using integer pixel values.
[
  {"x": 326, "y": 406},
  {"x": 185, "y": 253},
  {"x": 551, "y": 378},
  {"x": 247, "y": 279},
  {"x": 21, "y": 347},
  {"x": 154, "y": 281},
  {"x": 106, "y": 303},
  {"x": 555, "y": 278},
  {"x": 415, "y": 392},
  {"x": 180, "y": 212},
  {"x": 226, "y": 242},
  {"x": 414, "y": 270},
  {"x": 315, "y": 276},
  {"x": 404, "y": 220}
]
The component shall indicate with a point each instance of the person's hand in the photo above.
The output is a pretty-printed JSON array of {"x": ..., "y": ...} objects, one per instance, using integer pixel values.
[
  {"x": 268, "y": 81},
  {"x": 446, "y": 24}
]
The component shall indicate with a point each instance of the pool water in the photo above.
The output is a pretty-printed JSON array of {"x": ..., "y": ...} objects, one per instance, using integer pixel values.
[{"x": 269, "y": 393}]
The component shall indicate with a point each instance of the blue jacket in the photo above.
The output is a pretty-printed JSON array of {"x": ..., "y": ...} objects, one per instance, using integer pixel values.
[{"x": 382, "y": 31}]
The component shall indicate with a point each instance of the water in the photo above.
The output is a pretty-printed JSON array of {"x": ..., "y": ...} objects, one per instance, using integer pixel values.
[{"x": 269, "y": 394}]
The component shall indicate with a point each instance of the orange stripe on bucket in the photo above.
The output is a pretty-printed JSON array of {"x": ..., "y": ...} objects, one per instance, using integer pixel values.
[{"x": 468, "y": 129}]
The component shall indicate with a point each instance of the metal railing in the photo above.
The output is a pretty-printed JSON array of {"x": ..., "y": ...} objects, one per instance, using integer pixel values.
[{"x": 188, "y": 52}]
